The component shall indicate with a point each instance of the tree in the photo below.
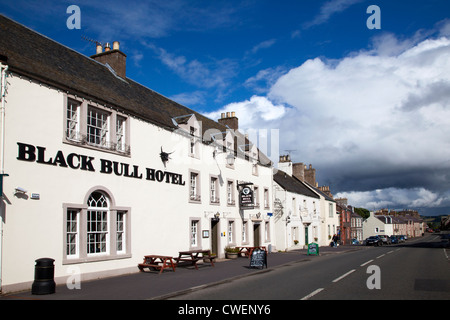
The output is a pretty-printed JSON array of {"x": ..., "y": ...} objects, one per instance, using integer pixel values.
[{"x": 362, "y": 212}]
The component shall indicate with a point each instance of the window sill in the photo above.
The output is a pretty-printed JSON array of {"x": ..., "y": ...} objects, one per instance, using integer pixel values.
[
  {"x": 67, "y": 261},
  {"x": 86, "y": 145},
  {"x": 195, "y": 199}
]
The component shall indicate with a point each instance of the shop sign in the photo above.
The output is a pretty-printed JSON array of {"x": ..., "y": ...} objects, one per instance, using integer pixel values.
[
  {"x": 246, "y": 198},
  {"x": 313, "y": 249},
  {"x": 30, "y": 153},
  {"x": 258, "y": 259}
]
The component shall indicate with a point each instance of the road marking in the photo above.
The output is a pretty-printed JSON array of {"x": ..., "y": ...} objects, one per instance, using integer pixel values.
[
  {"x": 380, "y": 256},
  {"x": 343, "y": 276},
  {"x": 390, "y": 251},
  {"x": 312, "y": 294},
  {"x": 366, "y": 263}
]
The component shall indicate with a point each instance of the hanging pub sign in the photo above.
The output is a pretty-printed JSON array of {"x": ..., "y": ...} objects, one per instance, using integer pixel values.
[{"x": 246, "y": 198}]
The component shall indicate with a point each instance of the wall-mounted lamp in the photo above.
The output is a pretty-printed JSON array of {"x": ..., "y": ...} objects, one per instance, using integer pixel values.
[
  {"x": 20, "y": 190},
  {"x": 288, "y": 220},
  {"x": 230, "y": 157},
  {"x": 216, "y": 217},
  {"x": 20, "y": 193}
]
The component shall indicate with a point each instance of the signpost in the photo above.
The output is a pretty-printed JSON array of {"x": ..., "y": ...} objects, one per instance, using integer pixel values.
[
  {"x": 313, "y": 249},
  {"x": 258, "y": 259}
]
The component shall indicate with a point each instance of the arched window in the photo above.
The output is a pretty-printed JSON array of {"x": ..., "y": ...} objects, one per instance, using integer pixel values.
[
  {"x": 96, "y": 229},
  {"x": 97, "y": 223}
]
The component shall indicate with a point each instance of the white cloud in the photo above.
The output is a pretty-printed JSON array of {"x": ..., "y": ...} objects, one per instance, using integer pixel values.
[
  {"x": 152, "y": 18},
  {"x": 328, "y": 9},
  {"x": 379, "y": 105},
  {"x": 375, "y": 119},
  {"x": 252, "y": 113},
  {"x": 212, "y": 74},
  {"x": 189, "y": 98},
  {"x": 263, "y": 45},
  {"x": 394, "y": 198},
  {"x": 264, "y": 79}
]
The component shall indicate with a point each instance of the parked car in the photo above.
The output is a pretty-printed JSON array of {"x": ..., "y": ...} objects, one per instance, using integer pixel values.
[
  {"x": 386, "y": 239},
  {"x": 401, "y": 238},
  {"x": 394, "y": 239},
  {"x": 355, "y": 241},
  {"x": 374, "y": 241}
]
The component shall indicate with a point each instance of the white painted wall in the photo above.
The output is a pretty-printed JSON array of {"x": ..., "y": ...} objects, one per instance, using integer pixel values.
[{"x": 160, "y": 212}]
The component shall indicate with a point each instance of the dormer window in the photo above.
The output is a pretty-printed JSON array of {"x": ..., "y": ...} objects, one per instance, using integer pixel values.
[{"x": 190, "y": 127}]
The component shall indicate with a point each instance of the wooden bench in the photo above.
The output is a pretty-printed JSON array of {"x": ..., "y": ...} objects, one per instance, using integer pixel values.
[
  {"x": 157, "y": 262},
  {"x": 247, "y": 251},
  {"x": 193, "y": 256}
]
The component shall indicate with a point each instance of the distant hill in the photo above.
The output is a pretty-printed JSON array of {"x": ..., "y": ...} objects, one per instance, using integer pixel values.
[{"x": 437, "y": 222}]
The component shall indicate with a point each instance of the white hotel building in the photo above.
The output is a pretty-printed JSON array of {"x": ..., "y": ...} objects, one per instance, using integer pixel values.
[{"x": 99, "y": 171}]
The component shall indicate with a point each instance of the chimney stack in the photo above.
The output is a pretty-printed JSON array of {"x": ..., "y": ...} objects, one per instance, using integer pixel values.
[
  {"x": 326, "y": 190},
  {"x": 115, "y": 58},
  {"x": 285, "y": 164},
  {"x": 229, "y": 120},
  {"x": 310, "y": 175},
  {"x": 298, "y": 171}
]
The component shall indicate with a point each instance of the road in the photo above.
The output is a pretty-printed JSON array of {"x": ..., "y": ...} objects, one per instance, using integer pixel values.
[{"x": 418, "y": 269}]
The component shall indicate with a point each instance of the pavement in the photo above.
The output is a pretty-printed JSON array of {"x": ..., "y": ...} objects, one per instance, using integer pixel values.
[{"x": 149, "y": 285}]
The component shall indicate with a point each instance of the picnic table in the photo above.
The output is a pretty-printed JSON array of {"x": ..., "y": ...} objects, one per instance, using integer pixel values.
[
  {"x": 247, "y": 251},
  {"x": 157, "y": 262},
  {"x": 193, "y": 256}
]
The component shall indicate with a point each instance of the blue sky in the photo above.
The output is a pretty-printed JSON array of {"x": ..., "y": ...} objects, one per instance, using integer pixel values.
[{"x": 368, "y": 108}]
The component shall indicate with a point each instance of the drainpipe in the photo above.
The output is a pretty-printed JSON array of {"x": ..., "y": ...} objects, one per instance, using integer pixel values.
[{"x": 4, "y": 69}]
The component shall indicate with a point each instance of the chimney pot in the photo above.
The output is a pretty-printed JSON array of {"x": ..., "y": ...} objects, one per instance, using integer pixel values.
[
  {"x": 227, "y": 120},
  {"x": 114, "y": 58},
  {"x": 233, "y": 114}
]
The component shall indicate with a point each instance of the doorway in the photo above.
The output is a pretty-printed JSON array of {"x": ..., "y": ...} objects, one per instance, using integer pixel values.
[
  {"x": 306, "y": 235},
  {"x": 256, "y": 234},
  {"x": 215, "y": 236},
  {"x": 294, "y": 235}
]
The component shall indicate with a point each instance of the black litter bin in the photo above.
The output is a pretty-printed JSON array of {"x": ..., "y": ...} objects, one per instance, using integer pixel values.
[{"x": 44, "y": 272}]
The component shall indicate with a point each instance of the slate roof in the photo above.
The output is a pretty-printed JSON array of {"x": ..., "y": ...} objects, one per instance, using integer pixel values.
[
  {"x": 38, "y": 57},
  {"x": 292, "y": 184},
  {"x": 323, "y": 194}
]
